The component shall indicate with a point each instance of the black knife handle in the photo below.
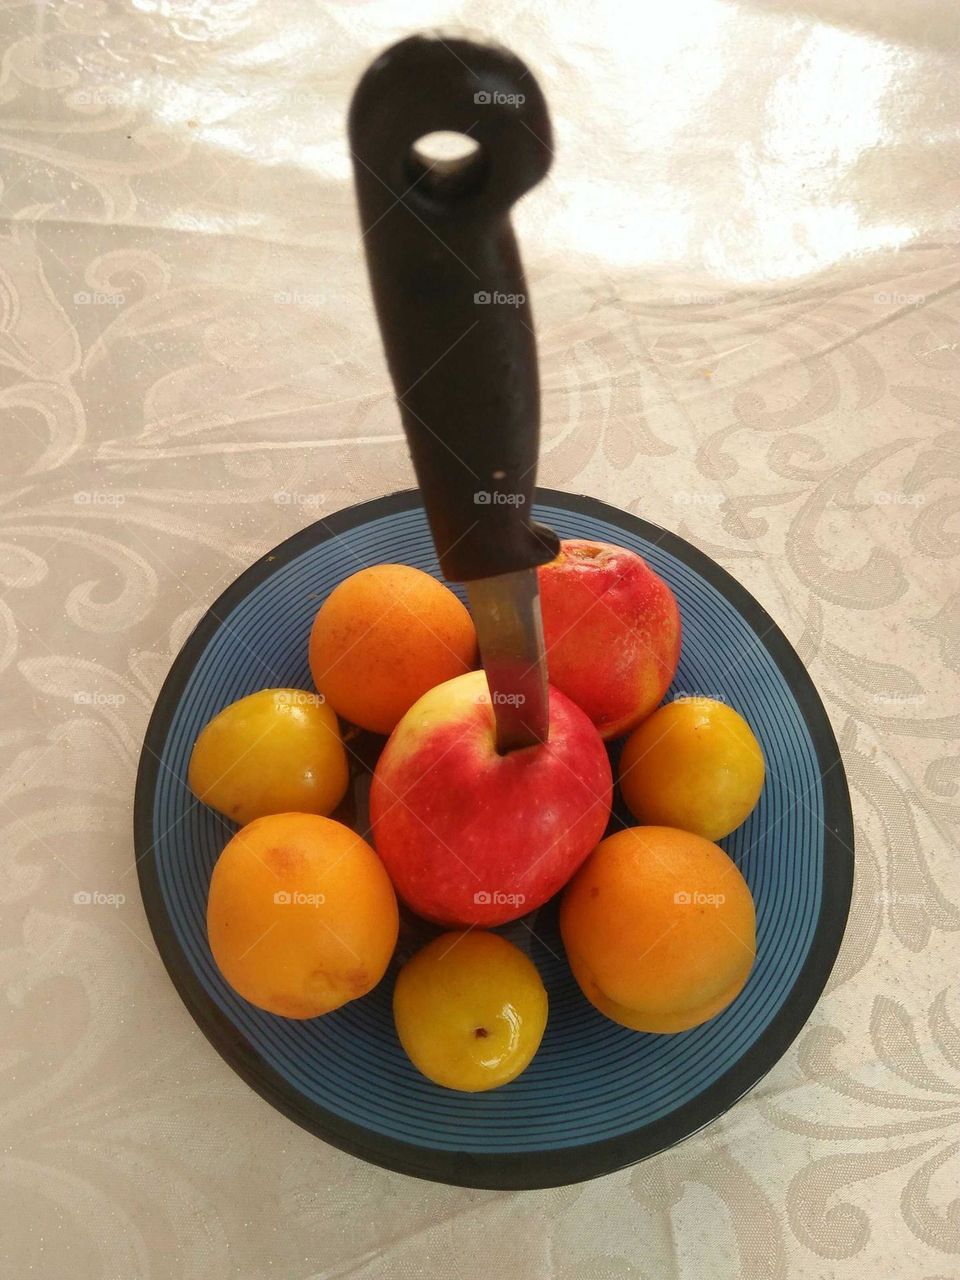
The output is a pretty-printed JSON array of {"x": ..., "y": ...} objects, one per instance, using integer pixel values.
[{"x": 449, "y": 288}]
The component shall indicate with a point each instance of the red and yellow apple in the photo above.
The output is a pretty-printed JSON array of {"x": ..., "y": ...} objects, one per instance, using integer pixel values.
[
  {"x": 612, "y": 632},
  {"x": 472, "y": 837}
]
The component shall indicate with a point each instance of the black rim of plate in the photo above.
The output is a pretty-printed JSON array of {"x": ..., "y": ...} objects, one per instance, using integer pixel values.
[{"x": 522, "y": 1170}]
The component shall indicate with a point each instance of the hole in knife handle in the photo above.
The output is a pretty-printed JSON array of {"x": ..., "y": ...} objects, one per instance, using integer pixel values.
[{"x": 446, "y": 165}]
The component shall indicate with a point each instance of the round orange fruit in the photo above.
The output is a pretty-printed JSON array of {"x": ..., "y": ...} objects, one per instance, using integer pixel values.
[
  {"x": 301, "y": 915},
  {"x": 470, "y": 1010},
  {"x": 693, "y": 764},
  {"x": 383, "y": 638},
  {"x": 276, "y": 751},
  {"x": 659, "y": 929}
]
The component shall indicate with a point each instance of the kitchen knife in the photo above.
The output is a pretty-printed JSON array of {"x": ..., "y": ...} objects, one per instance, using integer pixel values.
[{"x": 451, "y": 300}]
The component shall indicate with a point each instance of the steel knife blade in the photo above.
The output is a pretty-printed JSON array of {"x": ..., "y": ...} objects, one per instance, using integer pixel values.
[{"x": 506, "y": 613}]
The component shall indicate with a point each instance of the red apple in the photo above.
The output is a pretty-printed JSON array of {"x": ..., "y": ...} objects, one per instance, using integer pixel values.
[
  {"x": 471, "y": 837},
  {"x": 612, "y": 631}
]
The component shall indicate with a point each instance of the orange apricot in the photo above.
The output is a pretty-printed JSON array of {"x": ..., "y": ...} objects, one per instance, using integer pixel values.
[
  {"x": 383, "y": 638},
  {"x": 659, "y": 929},
  {"x": 301, "y": 915}
]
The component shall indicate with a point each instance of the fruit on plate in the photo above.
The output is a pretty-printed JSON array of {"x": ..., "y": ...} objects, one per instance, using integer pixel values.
[
  {"x": 471, "y": 837},
  {"x": 693, "y": 764},
  {"x": 470, "y": 1010},
  {"x": 659, "y": 929},
  {"x": 301, "y": 915},
  {"x": 612, "y": 632},
  {"x": 385, "y": 636},
  {"x": 276, "y": 751}
]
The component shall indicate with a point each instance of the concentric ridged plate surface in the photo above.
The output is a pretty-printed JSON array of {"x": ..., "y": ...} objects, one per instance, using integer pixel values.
[{"x": 596, "y": 1096}]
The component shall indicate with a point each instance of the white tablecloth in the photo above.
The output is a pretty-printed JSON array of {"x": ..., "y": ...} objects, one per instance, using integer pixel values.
[{"x": 744, "y": 274}]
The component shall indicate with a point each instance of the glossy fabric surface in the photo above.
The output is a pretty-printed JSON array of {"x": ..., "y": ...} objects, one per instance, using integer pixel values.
[{"x": 743, "y": 269}]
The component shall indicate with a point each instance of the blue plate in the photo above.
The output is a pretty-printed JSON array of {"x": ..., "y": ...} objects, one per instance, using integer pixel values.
[{"x": 597, "y": 1096}]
